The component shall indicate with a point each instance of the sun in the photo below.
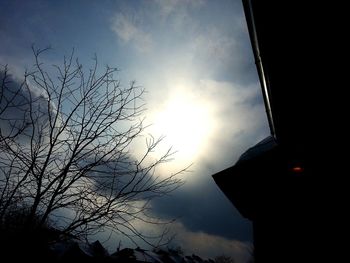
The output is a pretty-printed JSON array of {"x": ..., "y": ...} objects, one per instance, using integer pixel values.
[{"x": 185, "y": 121}]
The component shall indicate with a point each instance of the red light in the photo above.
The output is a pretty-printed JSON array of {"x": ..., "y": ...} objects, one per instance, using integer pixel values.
[{"x": 297, "y": 169}]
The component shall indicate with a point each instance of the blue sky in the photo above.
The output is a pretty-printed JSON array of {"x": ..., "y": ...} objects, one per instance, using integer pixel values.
[{"x": 195, "y": 60}]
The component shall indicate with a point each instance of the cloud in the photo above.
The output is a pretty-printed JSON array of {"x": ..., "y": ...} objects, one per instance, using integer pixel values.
[
  {"x": 191, "y": 242},
  {"x": 168, "y": 7},
  {"x": 221, "y": 54},
  {"x": 21, "y": 102},
  {"x": 148, "y": 25},
  {"x": 130, "y": 33},
  {"x": 210, "y": 246},
  {"x": 214, "y": 45},
  {"x": 239, "y": 116}
]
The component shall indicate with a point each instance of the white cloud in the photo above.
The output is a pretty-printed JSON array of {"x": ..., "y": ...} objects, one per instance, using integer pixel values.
[
  {"x": 215, "y": 47},
  {"x": 236, "y": 111},
  {"x": 178, "y": 15},
  {"x": 169, "y": 6},
  {"x": 130, "y": 33}
]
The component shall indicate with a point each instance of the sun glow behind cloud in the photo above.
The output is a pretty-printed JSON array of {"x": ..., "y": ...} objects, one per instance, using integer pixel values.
[{"x": 186, "y": 121}]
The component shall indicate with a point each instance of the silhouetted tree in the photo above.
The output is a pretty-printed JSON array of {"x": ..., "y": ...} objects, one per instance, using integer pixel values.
[
  {"x": 177, "y": 250},
  {"x": 224, "y": 259},
  {"x": 66, "y": 151}
]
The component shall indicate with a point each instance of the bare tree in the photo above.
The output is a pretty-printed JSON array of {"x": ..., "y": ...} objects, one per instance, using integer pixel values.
[{"x": 66, "y": 151}]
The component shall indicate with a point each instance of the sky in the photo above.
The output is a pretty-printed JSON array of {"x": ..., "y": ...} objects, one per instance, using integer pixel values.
[{"x": 195, "y": 60}]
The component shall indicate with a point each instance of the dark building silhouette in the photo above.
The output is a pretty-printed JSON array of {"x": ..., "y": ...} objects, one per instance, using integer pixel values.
[{"x": 278, "y": 184}]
